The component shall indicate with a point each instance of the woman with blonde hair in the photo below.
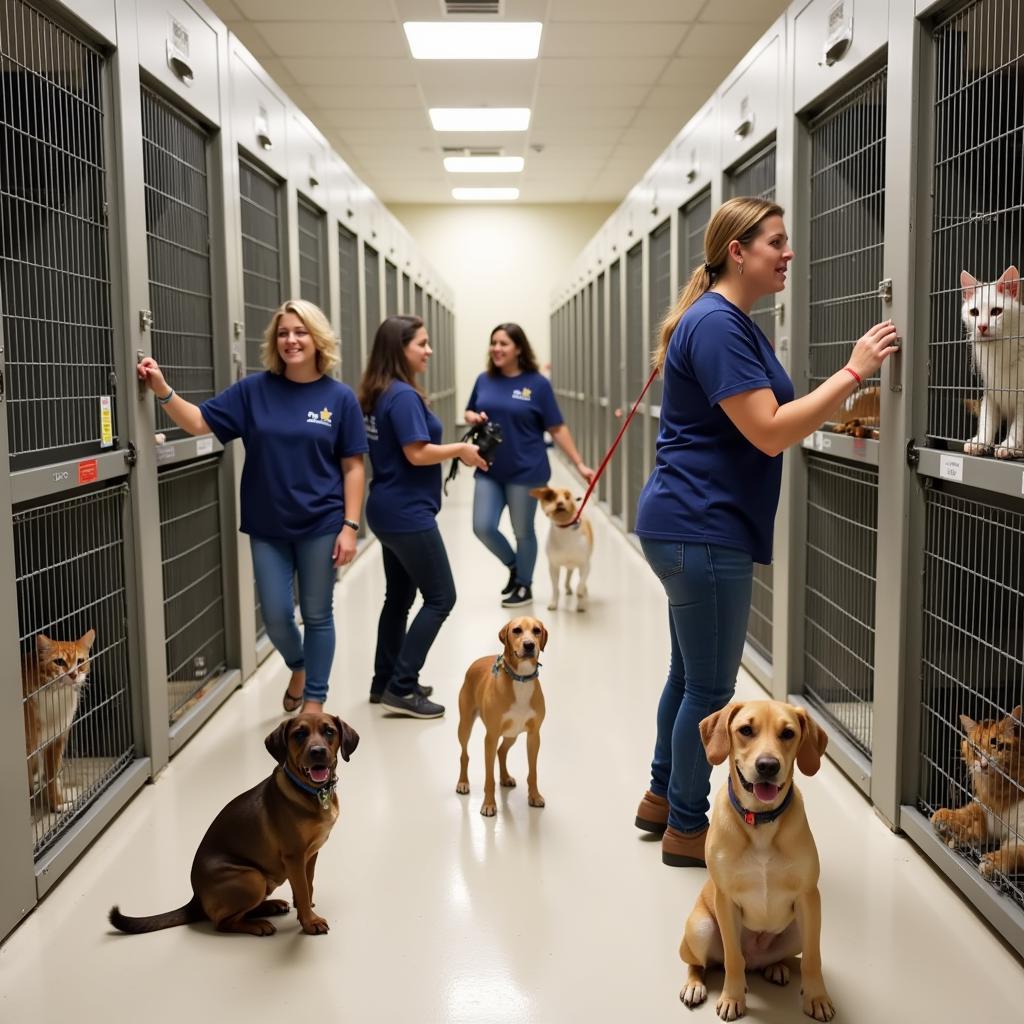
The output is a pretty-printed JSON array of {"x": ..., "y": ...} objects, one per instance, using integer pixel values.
[
  {"x": 707, "y": 512},
  {"x": 302, "y": 482}
]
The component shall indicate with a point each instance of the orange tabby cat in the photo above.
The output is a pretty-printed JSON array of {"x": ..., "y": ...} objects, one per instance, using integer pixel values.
[
  {"x": 995, "y": 759},
  {"x": 860, "y": 414},
  {"x": 52, "y": 678}
]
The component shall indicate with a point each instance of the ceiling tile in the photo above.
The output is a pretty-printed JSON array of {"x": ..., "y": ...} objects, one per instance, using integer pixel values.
[
  {"x": 706, "y": 72},
  {"x": 316, "y": 10},
  {"x": 226, "y": 10},
  {"x": 563, "y": 153},
  {"x": 250, "y": 38},
  {"x": 477, "y": 83},
  {"x": 546, "y": 118},
  {"x": 762, "y": 13},
  {"x": 396, "y": 120},
  {"x": 729, "y": 41},
  {"x": 671, "y": 119},
  {"x": 610, "y": 71},
  {"x": 616, "y": 10},
  {"x": 353, "y": 71},
  {"x": 560, "y": 96},
  {"x": 575, "y": 136},
  {"x": 333, "y": 39},
  {"x": 611, "y": 40},
  {"x": 349, "y": 97}
]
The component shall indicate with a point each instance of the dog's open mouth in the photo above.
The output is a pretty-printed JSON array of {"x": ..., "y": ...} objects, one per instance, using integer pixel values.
[
  {"x": 766, "y": 792},
  {"x": 318, "y": 774}
]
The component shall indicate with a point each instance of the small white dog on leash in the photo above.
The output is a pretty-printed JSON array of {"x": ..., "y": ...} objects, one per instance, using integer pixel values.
[{"x": 568, "y": 547}]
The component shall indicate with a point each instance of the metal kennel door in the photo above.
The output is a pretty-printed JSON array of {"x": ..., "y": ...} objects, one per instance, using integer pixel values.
[
  {"x": 351, "y": 312},
  {"x": 55, "y": 295},
  {"x": 178, "y": 250},
  {"x": 371, "y": 260},
  {"x": 659, "y": 297},
  {"x": 312, "y": 224},
  {"x": 636, "y": 377},
  {"x": 617, "y": 467}
]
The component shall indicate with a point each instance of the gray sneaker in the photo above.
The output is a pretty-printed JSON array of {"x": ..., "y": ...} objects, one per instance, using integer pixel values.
[
  {"x": 423, "y": 691},
  {"x": 520, "y": 596},
  {"x": 414, "y": 706}
]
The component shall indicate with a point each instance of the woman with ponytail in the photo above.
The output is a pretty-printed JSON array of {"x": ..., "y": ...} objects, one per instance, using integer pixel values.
[{"x": 707, "y": 512}]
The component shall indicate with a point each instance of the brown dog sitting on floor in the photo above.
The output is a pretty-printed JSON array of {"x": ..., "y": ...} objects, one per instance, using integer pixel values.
[
  {"x": 265, "y": 835},
  {"x": 761, "y": 903},
  {"x": 505, "y": 692}
]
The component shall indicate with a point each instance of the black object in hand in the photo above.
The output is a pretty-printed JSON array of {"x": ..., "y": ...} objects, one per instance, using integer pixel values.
[{"x": 486, "y": 436}]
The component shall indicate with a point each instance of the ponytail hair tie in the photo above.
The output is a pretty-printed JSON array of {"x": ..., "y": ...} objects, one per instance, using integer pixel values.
[{"x": 708, "y": 269}]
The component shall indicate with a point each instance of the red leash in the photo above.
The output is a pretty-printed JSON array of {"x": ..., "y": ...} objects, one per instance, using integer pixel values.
[{"x": 609, "y": 454}]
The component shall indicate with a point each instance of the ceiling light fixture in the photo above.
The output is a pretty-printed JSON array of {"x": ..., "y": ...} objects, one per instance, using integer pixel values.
[
  {"x": 485, "y": 194},
  {"x": 480, "y": 119},
  {"x": 483, "y": 164},
  {"x": 470, "y": 40}
]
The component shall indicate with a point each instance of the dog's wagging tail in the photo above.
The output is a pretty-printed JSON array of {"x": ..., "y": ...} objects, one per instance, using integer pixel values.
[{"x": 188, "y": 914}]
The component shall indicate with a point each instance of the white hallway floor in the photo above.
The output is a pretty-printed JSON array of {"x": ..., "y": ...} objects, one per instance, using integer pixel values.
[{"x": 439, "y": 915}]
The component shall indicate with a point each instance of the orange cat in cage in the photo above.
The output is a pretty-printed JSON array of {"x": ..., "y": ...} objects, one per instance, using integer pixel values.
[
  {"x": 860, "y": 414},
  {"x": 52, "y": 677},
  {"x": 994, "y": 757}
]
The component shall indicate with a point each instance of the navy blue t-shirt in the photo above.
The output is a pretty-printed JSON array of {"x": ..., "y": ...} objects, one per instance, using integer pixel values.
[
  {"x": 403, "y": 498},
  {"x": 525, "y": 407},
  {"x": 295, "y": 436},
  {"x": 709, "y": 483}
]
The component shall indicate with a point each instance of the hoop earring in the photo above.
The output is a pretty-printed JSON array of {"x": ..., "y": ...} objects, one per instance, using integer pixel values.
[{"x": 741, "y": 269}]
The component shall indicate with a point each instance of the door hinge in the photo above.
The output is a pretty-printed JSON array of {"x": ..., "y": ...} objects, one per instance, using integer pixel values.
[
  {"x": 131, "y": 454},
  {"x": 885, "y": 289},
  {"x": 913, "y": 455}
]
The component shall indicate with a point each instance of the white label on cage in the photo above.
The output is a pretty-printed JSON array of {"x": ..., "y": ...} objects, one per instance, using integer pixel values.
[
  {"x": 106, "y": 422},
  {"x": 262, "y": 120},
  {"x": 813, "y": 440},
  {"x": 179, "y": 37},
  {"x": 836, "y": 16},
  {"x": 204, "y": 445},
  {"x": 951, "y": 467}
]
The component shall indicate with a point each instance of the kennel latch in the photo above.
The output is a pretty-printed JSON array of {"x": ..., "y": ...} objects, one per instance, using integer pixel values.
[{"x": 885, "y": 289}]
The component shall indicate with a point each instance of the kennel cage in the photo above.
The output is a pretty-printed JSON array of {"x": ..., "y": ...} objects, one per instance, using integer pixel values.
[
  {"x": 390, "y": 289},
  {"x": 371, "y": 293},
  {"x": 193, "y": 582},
  {"x": 693, "y": 223},
  {"x": 636, "y": 377},
  {"x": 604, "y": 433},
  {"x": 756, "y": 176},
  {"x": 978, "y": 226},
  {"x": 70, "y": 578},
  {"x": 616, "y": 397},
  {"x": 351, "y": 313},
  {"x": 55, "y": 276},
  {"x": 176, "y": 181},
  {"x": 312, "y": 247},
  {"x": 659, "y": 300}
]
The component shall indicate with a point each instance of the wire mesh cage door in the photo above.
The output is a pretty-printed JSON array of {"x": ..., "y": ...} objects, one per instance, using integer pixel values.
[
  {"x": 972, "y": 674},
  {"x": 617, "y": 467},
  {"x": 636, "y": 363},
  {"x": 190, "y": 552},
  {"x": 693, "y": 223},
  {"x": 659, "y": 294},
  {"x": 976, "y": 343},
  {"x": 262, "y": 265},
  {"x": 55, "y": 296},
  {"x": 312, "y": 225},
  {"x": 351, "y": 312},
  {"x": 603, "y": 438},
  {"x": 371, "y": 268},
  {"x": 839, "y": 628},
  {"x": 756, "y": 176},
  {"x": 72, "y": 628},
  {"x": 590, "y": 360},
  {"x": 390, "y": 288},
  {"x": 176, "y": 184}
]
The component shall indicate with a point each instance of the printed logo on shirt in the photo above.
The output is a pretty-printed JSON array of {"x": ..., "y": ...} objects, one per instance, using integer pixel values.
[
  {"x": 370, "y": 422},
  {"x": 522, "y": 394},
  {"x": 322, "y": 418}
]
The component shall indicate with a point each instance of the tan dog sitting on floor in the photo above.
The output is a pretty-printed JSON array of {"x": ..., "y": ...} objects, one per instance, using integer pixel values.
[
  {"x": 568, "y": 547},
  {"x": 505, "y": 692},
  {"x": 761, "y": 903}
]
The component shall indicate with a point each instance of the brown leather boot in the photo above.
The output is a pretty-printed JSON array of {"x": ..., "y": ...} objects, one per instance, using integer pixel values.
[
  {"x": 679, "y": 850},
  {"x": 652, "y": 814}
]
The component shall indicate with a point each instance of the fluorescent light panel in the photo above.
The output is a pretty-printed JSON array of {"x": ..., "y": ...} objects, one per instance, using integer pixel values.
[
  {"x": 485, "y": 194},
  {"x": 480, "y": 119},
  {"x": 507, "y": 40},
  {"x": 483, "y": 164}
]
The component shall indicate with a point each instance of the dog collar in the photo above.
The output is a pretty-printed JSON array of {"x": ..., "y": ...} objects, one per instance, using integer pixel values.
[
  {"x": 759, "y": 817},
  {"x": 499, "y": 665},
  {"x": 323, "y": 793}
]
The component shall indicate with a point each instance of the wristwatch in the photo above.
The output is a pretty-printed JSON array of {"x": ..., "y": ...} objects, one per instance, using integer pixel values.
[{"x": 349, "y": 522}]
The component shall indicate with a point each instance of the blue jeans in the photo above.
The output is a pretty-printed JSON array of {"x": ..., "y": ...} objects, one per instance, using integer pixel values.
[
  {"x": 708, "y": 590},
  {"x": 412, "y": 561},
  {"x": 274, "y": 564},
  {"x": 489, "y": 500}
]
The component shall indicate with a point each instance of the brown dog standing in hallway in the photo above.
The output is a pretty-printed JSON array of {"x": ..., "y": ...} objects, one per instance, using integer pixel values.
[
  {"x": 761, "y": 903},
  {"x": 267, "y": 834},
  {"x": 505, "y": 692}
]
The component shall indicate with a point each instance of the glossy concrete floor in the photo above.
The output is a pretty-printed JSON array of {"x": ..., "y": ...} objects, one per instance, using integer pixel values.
[{"x": 439, "y": 915}]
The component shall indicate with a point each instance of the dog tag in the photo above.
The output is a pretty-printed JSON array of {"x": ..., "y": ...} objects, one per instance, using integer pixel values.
[{"x": 749, "y": 818}]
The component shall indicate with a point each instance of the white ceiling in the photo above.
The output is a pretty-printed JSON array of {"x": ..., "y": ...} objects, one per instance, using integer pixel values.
[{"x": 614, "y": 83}]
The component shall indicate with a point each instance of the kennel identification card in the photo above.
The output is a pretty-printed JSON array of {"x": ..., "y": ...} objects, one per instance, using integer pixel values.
[{"x": 106, "y": 422}]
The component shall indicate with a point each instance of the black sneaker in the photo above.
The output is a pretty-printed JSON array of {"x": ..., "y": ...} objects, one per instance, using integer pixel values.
[
  {"x": 511, "y": 585},
  {"x": 423, "y": 691},
  {"x": 521, "y": 595},
  {"x": 415, "y": 705}
]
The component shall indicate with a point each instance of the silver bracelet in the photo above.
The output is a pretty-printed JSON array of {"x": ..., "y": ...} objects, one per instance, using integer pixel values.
[{"x": 166, "y": 398}]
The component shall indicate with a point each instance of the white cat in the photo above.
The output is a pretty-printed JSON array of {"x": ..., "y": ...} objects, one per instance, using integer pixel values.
[{"x": 994, "y": 320}]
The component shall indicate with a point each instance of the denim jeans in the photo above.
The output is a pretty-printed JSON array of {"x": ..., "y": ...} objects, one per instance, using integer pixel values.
[
  {"x": 708, "y": 590},
  {"x": 412, "y": 561},
  {"x": 274, "y": 564},
  {"x": 489, "y": 500}
]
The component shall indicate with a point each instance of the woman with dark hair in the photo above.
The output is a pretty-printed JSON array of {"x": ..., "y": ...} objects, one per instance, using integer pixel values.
[
  {"x": 707, "y": 513},
  {"x": 405, "y": 496},
  {"x": 515, "y": 394}
]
